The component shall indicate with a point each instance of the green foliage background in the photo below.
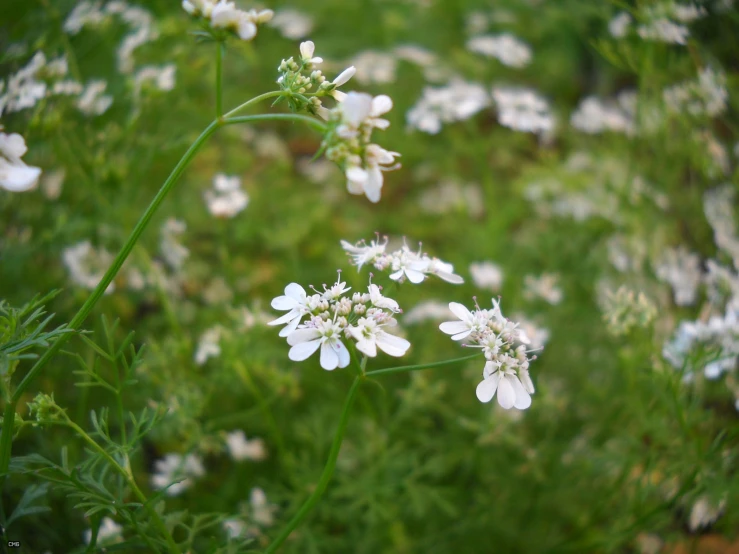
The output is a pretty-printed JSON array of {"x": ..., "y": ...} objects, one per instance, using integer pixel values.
[{"x": 613, "y": 445}]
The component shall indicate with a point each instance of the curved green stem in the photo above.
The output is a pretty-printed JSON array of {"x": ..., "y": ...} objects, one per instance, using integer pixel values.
[
  {"x": 219, "y": 79},
  {"x": 171, "y": 544},
  {"x": 310, "y": 121},
  {"x": 401, "y": 369},
  {"x": 328, "y": 471},
  {"x": 254, "y": 100}
]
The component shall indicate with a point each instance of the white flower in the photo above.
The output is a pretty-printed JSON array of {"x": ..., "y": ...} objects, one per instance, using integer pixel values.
[
  {"x": 86, "y": 265},
  {"x": 174, "y": 467},
  {"x": 468, "y": 322},
  {"x": 370, "y": 337},
  {"x": 511, "y": 392},
  {"x": 323, "y": 334},
  {"x": 107, "y": 532},
  {"x": 704, "y": 512},
  {"x": 523, "y": 110},
  {"x": 208, "y": 346},
  {"x": 508, "y": 49},
  {"x": 457, "y": 101},
  {"x": 295, "y": 302},
  {"x": 15, "y": 175},
  {"x": 234, "y": 527},
  {"x": 363, "y": 253},
  {"x": 92, "y": 101},
  {"x": 375, "y": 67},
  {"x": 408, "y": 265},
  {"x": 292, "y": 24},
  {"x": 545, "y": 287},
  {"x": 240, "y": 448},
  {"x": 444, "y": 271},
  {"x": 225, "y": 15},
  {"x": 307, "y": 49},
  {"x": 262, "y": 510},
  {"x": 619, "y": 25},
  {"x": 380, "y": 301},
  {"x": 486, "y": 275},
  {"x": 226, "y": 198}
]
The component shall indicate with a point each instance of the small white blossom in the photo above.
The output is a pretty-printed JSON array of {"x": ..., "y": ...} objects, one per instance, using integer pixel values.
[
  {"x": 370, "y": 336},
  {"x": 262, "y": 511},
  {"x": 292, "y": 24},
  {"x": 704, "y": 513},
  {"x": 545, "y": 287},
  {"x": 176, "y": 473},
  {"x": 619, "y": 25},
  {"x": 226, "y": 198},
  {"x": 325, "y": 335},
  {"x": 523, "y": 109},
  {"x": 682, "y": 270},
  {"x": 87, "y": 265},
  {"x": 240, "y": 448},
  {"x": 15, "y": 175},
  {"x": 208, "y": 346},
  {"x": 486, "y": 275},
  {"x": 92, "y": 100},
  {"x": 508, "y": 49},
  {"x": 457, "y": 101},
  {"x": 108, "y": 532}
]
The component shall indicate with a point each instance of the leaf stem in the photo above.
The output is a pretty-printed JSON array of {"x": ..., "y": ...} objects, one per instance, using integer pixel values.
[
  {"x": 401, "y": 369},
  {"x": 328, "y": 471},
  {"x": 254, "y": 100}
]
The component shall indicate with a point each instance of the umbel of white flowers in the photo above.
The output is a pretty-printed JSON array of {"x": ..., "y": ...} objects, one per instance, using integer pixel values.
[
  {"x": 15, "y": 175},
  {"x": 405, "y": 264},
  {"x": 507, "y": 367},
  {"x": 225, "y": 15},
  {"x": 332, "y": 317}
]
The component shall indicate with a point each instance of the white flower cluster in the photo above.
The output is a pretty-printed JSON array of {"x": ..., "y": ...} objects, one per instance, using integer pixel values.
[
  {"x": 486, "y": 275},
  {"x": 334, "y": 316},
  {"x": 625, "y": 309},
  {"x": 718, "y": 338},
  {"x": 718, "y": 205},
  {"x": 240, "y": 448},
  {"x": 681, "y": 269},
  {"x": 225, "y": 15},
  {"x": 375, "y": 67},
  {"x": 457, "y": 101},
  {"x": 594, "y": 116},
  {"x": 404, "y": 263},
  {"x": 292, "y": 24},
  {"x": 347, "y": 142},
  {"x": 707, "y": 95},
  {"x": 173, "y": 251},
  {"x": 523, "y": 109},
  {"x": 304, "y": 84},
  {"x": 176, "y": 473},
  {"x": 546, "y": 287},
  {"x": 506, "y": 48},
  {"x": 226, "y": 198},
  {"x": 15, "y": 175},
  {"x": 140, "y": 21},
  {"x": 507, "y": 367},
  {"x": 23, "y": 89}
]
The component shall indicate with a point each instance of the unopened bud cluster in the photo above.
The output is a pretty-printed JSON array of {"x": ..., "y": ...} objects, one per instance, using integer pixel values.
[
  {"x": 225, "y": 15},
  {"x": 324, "y": 319},
  {"x": 404, "y": 264},
  {"x": 504, "y": 346},
  {"x": 305, "y": 84}
]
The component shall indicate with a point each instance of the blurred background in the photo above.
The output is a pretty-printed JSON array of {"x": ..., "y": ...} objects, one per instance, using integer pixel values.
[{"x": 577, "y": 159}]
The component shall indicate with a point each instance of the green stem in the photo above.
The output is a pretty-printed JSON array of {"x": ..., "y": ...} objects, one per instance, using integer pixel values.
[
  {"x": 219, "y": 79},
  {"x": 254, "y": 100},
  {"x": 328, "y": 471},
  {"x": 310, "y": 121},
  {"x": 171, "y": 544},
  {"x": 404, "y": 368}
]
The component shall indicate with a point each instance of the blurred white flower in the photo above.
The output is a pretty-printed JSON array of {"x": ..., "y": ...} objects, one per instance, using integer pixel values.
[
  {"x": 173, "y": 467},
  {"x": 664, "y": 30},
  {"x": 619, "y": 25},
  {"x": 87, "y": 265},
  {"x": 430, "y": 310},
  {"x": 292, "y": 24},
  {"x": 486, "y": 275},
  {"x": 109, "y": 531},
  {"x": 706, "y": 96},
  {"x": 457, "y": 101},
  {"x": 234, "y": 528},
  {"x": 163, "y": 78},
  {"x": 262, "y": 511},
  {"x": 545, "y": 287},
  {"x": 594, "y": 116},
  {"x": 375, "y": 67},
  {"x": 508, "y": 49},
  {"x": 15, "y": 175},
  {"x": 226, "y": 198},
  {"x": 52, "y": 183},
  {"x": 92, "y": 101},
  {"x": 225, "y": 15},
  {"x": 240, "y": 448},
  {"x": 173, "y": 252},
  {"x": 681, "y": 269},
  {"x": 523, "y": 109},
  {"x": 208, "y": 345},
  {"x": 704, "y": 513},
  {"x": 24, "y": 90}
]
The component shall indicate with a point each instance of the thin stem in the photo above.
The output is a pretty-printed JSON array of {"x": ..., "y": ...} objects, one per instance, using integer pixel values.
[
  {"x": 6, "y": 438},
  {"x": 254, "y": 100},
  {"x": 219, "y": 79},
  {"x": 328, "y": 471},
  {"x": 404, "y": 368},
  {"x": 172, "y": 545},
  {"x": 311, "y": 121}
]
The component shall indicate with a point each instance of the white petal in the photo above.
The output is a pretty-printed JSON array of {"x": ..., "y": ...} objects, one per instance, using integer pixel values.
[
  {"x": 449, "y": 277},
  {"x": 460, "y": 311},
  {"x": 290, "y": 328},
  {"x": 373, "y": 184},
  {"x": 283, "y": 303},
  {"x": 486, "y": 389},
  {"x": 392, "y": 345},
  {"x": 306, "y": 49},
  {"x": 304, "y": 350},
  {"x": 18, "y": 177},
  {"x": 414, "y": 276},
  {"x": 454, "y": 327},
  {"x": 289, "y": 316},
  {"x": 343, "y": 353},
  {"x": 523, "y": 400},
  {"x": 460, "y": 336},
  {"x": 247, "y": 30},
  {"x": 367, "y": 347},
  {"x": 344, "y": 76},
  {"x": 294, "y": 290},
  {"x": 397, "y": 275},
  {"x": 329, "y": 358},
  {"x": 381, "y": 104},
  {"x": 506, "y": 394},
  {"x": 356, "y": 107},
  {"x": 302, "y": 335}
]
